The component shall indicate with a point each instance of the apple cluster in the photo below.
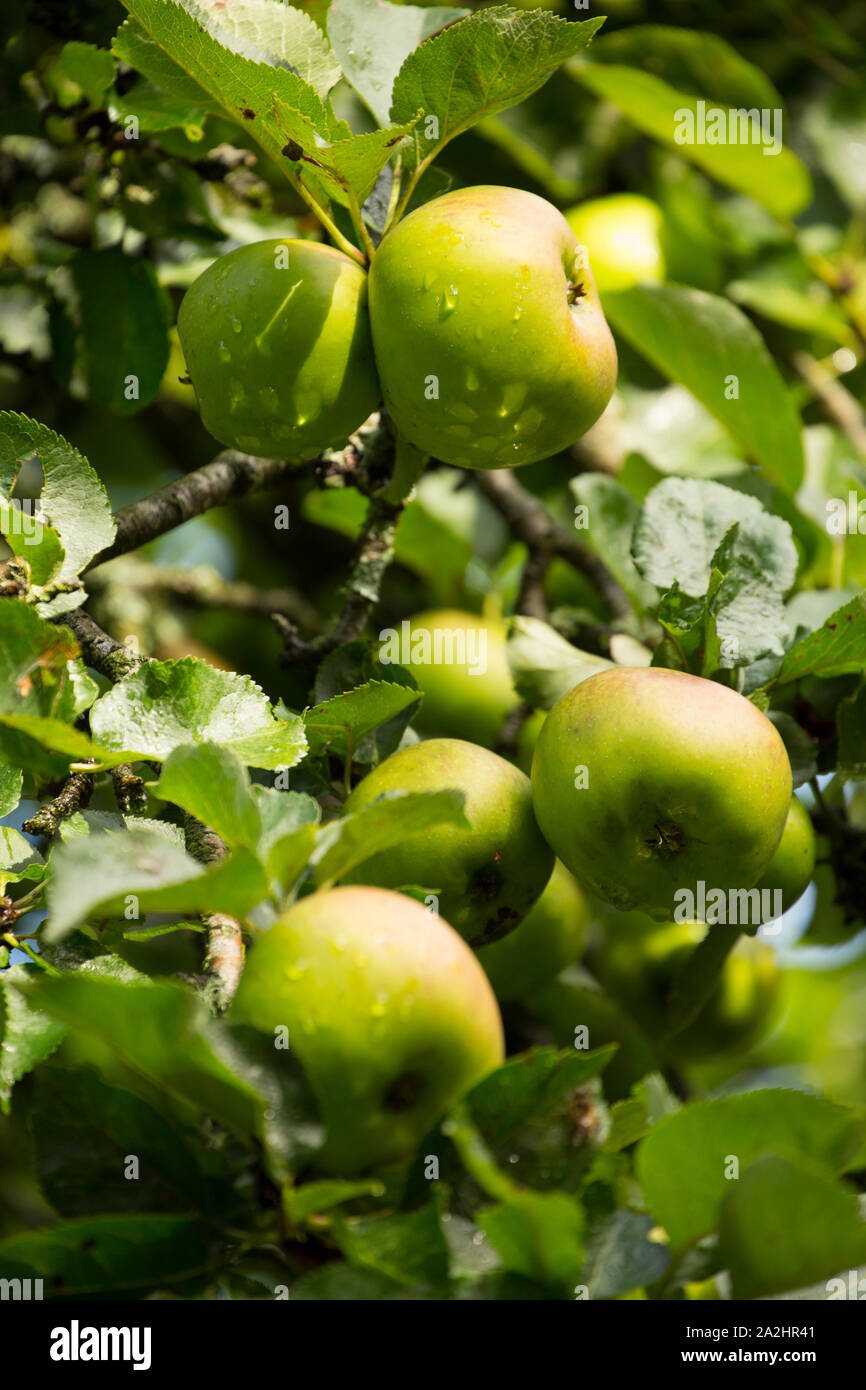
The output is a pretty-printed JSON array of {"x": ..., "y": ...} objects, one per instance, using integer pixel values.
[{"x": 479, "y": 325}]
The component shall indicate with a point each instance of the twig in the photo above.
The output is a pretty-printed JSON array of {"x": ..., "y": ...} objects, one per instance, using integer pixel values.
[
  {"x": 531, "y": 522},
  {"x": 111, "y": 659},
  {"x": 224, "y": 953},
  {"x": 203, "y": 587},
  {"x": 129, "y": 791},
  {"x": 840, "y": 405},
  {"x": 73, "y": 796},
  {"x": 230, "y": 475},
  {"x": 376, "y": 550}
]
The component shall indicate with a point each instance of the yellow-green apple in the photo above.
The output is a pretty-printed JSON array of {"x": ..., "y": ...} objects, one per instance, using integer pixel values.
[
  {"x": 622, "y": 235},
  {"x": 791, "y": 867},
  {"x": 459, "y": 661},
  {"x": 486, "y": 876},
  {"x": 276, "y": 337},
  {"x": 387, "y": 1009},
  {"x": 549, "y": 938},
  {"x": 650, "y": 783},
  {"x": 491, "y": 344}
]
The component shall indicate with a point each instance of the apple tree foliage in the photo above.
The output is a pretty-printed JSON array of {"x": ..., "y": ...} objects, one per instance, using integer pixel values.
[{"x": 174, "y": 785}]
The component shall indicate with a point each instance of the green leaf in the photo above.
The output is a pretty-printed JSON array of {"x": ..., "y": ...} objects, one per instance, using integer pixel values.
[
  {"x": 620, "y": 1257},
  {"x": 481, "y": 65},
  {"x": 543, "y": 665},
  {"x": 212, "y": 784},
  {"x": 787, "y": 1224},
  {"x": 86, "y": 1131},
  {"x": 372, "y": 39},
  {"x": 109, "y": 1255},
  {"x": 527, "y": 1088},
  {"x": 279, "y": 35},
  {"x": 340, "y": 724},
  {"x": 386, "y": 822},
  {"x": 11, "y": 782},
  {"x": 169, "y": 703},
  {"x": 702, "y": 63},
  {"x": 538, "y": 1235},
  {"x": 164, "y": 1033},
  {"x": 806, "y": 313},
  {"x": 684, "y": 521},
  {"x": 836, "y": 649},
  {"x": 612, "y": 514},
  {"x": 407, "y": 1246},
  {"x": 313, "y": 1198},
  {"x": 116, "y": 873},
  {"x": 39, "y": 676},
  {"x": 18, "y": 859},
  {"x": 800, "y": 747},
  {"x": 27, "y": 1036},
  {"x": 683, "y": 1163},
  {"x": 86, "y": 67},
  {"x": 73, "y": 504},
  {"x": 120, "y": 315},
  {"x": 779, "y": 182},
  {"x": 702, "y": 341}
]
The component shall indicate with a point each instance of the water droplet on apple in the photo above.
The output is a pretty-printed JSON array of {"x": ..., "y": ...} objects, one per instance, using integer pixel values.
[
  {"x": 427, "y": 280},
  {"x": 237, "y": 326},
  {"x": 269, "y": 400},
  {"x": 473, "y": 380},
  {"x": 223, "y": 353},
  {"x": 518, "y": 311}
]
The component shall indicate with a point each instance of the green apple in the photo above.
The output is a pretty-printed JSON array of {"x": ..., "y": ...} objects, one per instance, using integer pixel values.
[
  {"x": 793, "y": 864},
  {"x": 459, "y": 661},
  {"x": 648, "y": 781},
  {"x": 387, "y": 1009},
  {"x": 549, "y": 938},
  {"x": 491, "y": 344},
  {"x": 276, "y": 337},
  {"x": 486, "y": 876},
  {"x": 638, "y": 967},
  {"x": 622, "y": 235}
]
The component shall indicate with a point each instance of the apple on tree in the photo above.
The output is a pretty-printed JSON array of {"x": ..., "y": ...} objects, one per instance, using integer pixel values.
[
  {"x": 622, "y": 235},
  {"x": 276, "y": 338},
  {"x": 388, "y": 1010},
  {"x": 793, "y": 863},
  {"x": 549, "y": 938},
  {"x": 646, "y": 781},
  {"x": 468, "y": 697},
  {"x": 487, "y": 876},
  {"x": 491, "y": 344}
]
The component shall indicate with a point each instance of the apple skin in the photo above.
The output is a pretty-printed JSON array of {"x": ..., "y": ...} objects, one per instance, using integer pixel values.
[
  {"x": 687, "y": 781},
  {"x": 549, "y": 938},
  {"x": 475, "y": 289},
  {"x": 638, "y": 966},
  {"x": 388, "y": 1010},
  {"x": 486, "y": 877},
  {"x": 622, "y": 235},
  {"x": 457, "y": 702},
  {"x": 281, "y": 358},
  {"x": 792, "y": 866}
]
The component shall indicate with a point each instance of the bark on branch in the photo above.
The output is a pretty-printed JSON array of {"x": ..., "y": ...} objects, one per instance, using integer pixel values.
[{"x": 531, "y": 522}]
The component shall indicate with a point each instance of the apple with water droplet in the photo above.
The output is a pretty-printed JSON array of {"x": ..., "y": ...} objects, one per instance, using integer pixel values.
[
  {"x": 276, "y": 338},
  {"x": 387, "y": 1009},
  {"x": 491, "y": 344}
]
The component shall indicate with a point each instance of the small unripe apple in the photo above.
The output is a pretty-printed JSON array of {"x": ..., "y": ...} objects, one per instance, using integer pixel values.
[
  {"x": 486, "y": 877},
  {"x": 549, "y": 938},
  {"x": 491, "y": 344},
  {"x": 388, "y": 1010},
  {"x": 793, "y": 864},
  {"x": 622, "y": 234},
  {"x": 639, "y": 966},
  {"x": 459, "y": 661},
  {"x": 276, "y": 338},
  {"x": 648, "y": 781}
]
